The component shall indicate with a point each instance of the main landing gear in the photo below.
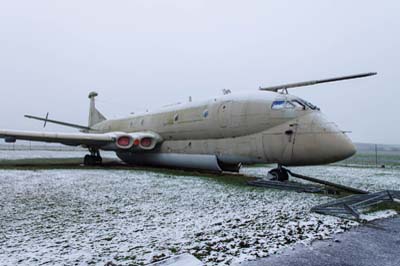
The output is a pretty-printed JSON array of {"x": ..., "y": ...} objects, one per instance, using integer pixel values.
[
  {"x": 93, "y": 159},
  {"x": 279, "y": 174}
]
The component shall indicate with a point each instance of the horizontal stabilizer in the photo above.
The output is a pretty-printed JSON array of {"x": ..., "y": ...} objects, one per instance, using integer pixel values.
[
  {"x": 315, "y": 82},
  {"x": 46, "y": 120}
]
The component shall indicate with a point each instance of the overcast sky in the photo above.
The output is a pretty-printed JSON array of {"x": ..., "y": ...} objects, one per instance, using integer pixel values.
[{"x": 144, "y": 54}]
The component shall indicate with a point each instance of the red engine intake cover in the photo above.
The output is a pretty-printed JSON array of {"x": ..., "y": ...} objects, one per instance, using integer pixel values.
[
  {"x": 124, "y": 141},
  {"x": 146, "y": 142}
]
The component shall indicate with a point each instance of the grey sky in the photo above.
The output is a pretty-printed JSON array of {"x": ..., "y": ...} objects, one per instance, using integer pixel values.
[{"x": 144, "y": 54}]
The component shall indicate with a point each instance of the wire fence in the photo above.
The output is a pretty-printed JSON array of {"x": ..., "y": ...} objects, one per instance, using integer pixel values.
[{"x": 376, "y": 155}]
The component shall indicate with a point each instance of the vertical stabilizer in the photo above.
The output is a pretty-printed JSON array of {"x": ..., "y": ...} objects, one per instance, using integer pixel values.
[{"x": 95, "y": 116}]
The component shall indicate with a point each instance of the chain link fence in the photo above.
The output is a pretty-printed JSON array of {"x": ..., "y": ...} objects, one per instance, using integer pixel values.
[{"x": 375, "y": 155}]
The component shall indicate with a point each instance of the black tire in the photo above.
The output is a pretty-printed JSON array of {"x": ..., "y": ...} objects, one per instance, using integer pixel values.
[
  {"x": 279, "y": 174},
  {"x": 87, "y": 160},
  {"x": 98, "y": 160},
  {"x": 274, "y": 174},
  {"x": 90, "y": 160}
]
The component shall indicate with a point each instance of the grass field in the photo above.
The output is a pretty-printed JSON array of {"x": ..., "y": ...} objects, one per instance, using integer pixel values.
[{"x": 132, "y": 216}]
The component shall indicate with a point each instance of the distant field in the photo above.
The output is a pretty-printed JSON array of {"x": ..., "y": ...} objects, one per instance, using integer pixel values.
[
  {"x": 6, "y": 155},
  {"x": 35, "y": 147},
  {"x": 368, "y": 158},
  {"x": 364, "y": 157},
  {"x": 387, "y": 155}
]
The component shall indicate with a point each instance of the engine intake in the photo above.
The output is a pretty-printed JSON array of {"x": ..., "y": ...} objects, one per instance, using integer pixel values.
[
  {"x": 134, "y": 141},
  {"x": 146, "y": 142},
  {"x": 124, "y": 142}
]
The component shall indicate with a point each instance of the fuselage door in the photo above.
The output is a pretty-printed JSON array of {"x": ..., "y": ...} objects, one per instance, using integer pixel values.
[
  {"x": 225, "y": 114},
  {"x": 278, "y": 144},
  {"x": 279, "y": 141}
]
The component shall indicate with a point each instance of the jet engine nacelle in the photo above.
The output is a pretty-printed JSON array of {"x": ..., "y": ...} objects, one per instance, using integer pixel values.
[{"x": 134, "y": 141}]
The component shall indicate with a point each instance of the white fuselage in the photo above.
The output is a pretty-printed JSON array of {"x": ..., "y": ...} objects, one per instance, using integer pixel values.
[{"x": 262, "y": 127}]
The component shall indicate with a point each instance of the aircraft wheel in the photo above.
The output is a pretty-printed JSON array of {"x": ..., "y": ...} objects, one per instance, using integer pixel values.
[
  {"x": 98, "y": 160},
  {"x": 279, "y": 174},
  {"x": 90, "y": 160}
]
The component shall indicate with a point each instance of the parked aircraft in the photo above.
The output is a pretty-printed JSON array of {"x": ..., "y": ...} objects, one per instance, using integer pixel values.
[{"x": 220, "y": 134}]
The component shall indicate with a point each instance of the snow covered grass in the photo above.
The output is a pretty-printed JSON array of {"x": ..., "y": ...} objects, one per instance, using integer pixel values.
[
  {"x": 134, "y": 217},
  {"x": 371, "y": 179}
]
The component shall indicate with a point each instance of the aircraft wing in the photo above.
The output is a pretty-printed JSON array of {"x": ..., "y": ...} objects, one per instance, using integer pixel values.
[
  {"x": 135, "y": 141},
  {"x": 74, "y": 139}
]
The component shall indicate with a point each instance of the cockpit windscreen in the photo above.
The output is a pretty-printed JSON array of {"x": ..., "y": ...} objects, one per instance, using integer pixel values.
[{"x": 291, "y": 104}]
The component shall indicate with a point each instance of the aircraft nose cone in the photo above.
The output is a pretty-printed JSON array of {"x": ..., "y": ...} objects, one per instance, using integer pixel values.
[
  {"x": 348, "y": 149},
  {"x": 338, "y": 147},
  {"x": 334, "y": 144},
  {"x": 320, "y": 142}
]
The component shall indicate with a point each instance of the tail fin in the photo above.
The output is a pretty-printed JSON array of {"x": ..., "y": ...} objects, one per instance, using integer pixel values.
[{"x": 95, "y": 116}]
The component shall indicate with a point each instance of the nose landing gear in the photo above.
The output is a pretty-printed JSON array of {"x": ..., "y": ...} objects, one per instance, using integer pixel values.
[
  {"x": 93, "y": 159},
  {"x": 279, "y": 174},
  {"x": 282, "y": 174}
]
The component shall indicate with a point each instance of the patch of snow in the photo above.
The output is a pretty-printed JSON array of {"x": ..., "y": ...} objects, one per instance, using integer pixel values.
[
  {"x": 181, "y": 260},
  {"x": 378, "y": 215}
]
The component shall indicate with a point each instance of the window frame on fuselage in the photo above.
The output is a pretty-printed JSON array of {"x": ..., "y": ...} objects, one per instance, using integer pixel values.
[{"x": 281, "y": 103}]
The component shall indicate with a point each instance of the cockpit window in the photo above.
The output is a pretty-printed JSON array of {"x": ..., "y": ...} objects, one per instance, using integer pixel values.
[
  {"x": 308, "y": 104},
  {"x": 299, "y": 104},
  {"x": 312, "y": 106},
  {"x": 296, "y": 103},
  {"x": 277, "y": 105},
  {"x": 281, "y": 104},
  {"x": 289, "y": 105}
]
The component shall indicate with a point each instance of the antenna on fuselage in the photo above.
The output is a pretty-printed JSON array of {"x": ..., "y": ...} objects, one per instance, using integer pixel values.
[
  {"x": 226, "y": 91},
  {"x": 284, "y": 87}
]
